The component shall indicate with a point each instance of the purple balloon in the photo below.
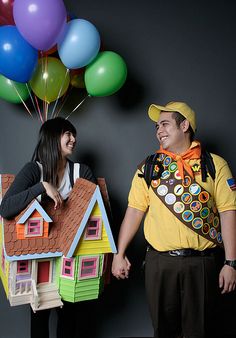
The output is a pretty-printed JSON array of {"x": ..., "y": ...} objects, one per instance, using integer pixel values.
[{"x": 40, "y": 21}]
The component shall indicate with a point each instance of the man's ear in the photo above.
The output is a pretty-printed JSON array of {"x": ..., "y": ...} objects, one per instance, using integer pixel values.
[{"x": 185, "y": 125}]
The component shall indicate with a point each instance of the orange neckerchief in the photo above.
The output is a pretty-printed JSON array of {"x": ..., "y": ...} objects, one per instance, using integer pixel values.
[{"x": 194, "y": 152}]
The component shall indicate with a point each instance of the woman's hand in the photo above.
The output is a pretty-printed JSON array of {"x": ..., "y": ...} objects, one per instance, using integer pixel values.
[
  {"x": 120, "y": 266},
  {"x": 53, "y": 194}
]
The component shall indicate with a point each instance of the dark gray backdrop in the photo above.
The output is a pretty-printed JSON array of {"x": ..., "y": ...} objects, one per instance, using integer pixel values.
[{"x": 174, "y": 50}]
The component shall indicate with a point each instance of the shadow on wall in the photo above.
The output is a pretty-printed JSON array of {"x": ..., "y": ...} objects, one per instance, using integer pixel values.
[{"x": 131, "y": 94}]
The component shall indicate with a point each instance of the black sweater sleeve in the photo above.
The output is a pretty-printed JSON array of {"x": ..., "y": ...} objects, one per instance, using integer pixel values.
[
  {"x": 86, "y": 173},
  {"x": 25, "y": 187}
]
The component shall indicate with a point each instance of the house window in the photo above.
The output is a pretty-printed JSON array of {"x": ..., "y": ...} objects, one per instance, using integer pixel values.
[
  {"x": 68, "y": 267},
  {"x": 34, "y": 227},
  {"x": 88, "y": 267},
  {"x": 22, "y": 267},
  {"x": 93, "y": 228}
]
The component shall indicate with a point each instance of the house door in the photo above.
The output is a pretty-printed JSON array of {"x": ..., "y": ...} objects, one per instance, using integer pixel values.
[{"x": 43, "y": 272}]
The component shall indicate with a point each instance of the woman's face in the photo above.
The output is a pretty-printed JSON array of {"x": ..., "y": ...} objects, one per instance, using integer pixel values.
[{"x": 68, "y": 142}]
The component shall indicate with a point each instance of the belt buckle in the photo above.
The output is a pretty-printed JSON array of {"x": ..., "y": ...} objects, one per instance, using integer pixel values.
[{"x": 174, "y": 253}]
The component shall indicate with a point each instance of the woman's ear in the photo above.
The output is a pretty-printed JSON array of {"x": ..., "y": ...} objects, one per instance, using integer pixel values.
[{"x": 185, "y": 125}]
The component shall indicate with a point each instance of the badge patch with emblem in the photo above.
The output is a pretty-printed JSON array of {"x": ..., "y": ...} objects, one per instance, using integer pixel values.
[{"x": 231, "y": 183}]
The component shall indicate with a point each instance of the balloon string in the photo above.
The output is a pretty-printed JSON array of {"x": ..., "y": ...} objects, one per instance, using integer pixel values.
[
  {"x": 39, "y": 111},
  {"x": 29, "y": 91},
  {"x": 21, "y": 99},
  {"x": 59, "y": 93},
  {"x": 63, "y": 101},
  {"x": 78, "y": 106}
]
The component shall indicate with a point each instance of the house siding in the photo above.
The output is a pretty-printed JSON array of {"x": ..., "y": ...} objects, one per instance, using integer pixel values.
[{"x": 97, "y": 246}]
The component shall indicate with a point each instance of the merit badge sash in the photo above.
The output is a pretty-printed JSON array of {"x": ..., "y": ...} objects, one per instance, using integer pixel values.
[{"x": 186, "y": 199}]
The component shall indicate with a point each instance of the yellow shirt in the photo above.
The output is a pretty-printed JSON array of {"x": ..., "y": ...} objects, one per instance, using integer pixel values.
[{"x": 161, "y": 228}]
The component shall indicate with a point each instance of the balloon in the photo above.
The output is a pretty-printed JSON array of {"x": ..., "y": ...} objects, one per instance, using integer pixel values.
[
  {"x": 18, "y": 58},
  {"x": 79, "y": 43},
  {"x": 12, "y": 91},
  {"x": 50, "y": 80},
  {"x": 40, "y": 21},
  {"x": 6, "y": 12},
  {"x": 106, "y": 74}
]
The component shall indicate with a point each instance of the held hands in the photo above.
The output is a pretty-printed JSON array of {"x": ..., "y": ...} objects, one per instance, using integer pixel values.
[
  {"x": 53, "y": 194},
  {"x": 227, "y": 279},
  {"x": 120, "y": 266}
]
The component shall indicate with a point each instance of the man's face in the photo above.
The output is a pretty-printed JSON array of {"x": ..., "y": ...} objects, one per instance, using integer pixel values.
[{"x": 170, "y": 136}]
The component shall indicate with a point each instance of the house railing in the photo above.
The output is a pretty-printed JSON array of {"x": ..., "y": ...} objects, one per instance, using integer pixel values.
[
  {"x": 23, "y": 286},
  {"x": 35, "y": 296}
]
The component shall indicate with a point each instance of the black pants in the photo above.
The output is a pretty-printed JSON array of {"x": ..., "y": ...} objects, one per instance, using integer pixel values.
[
  {"x": 75, "y": 320},
  {"x": 183, "y": 295}
]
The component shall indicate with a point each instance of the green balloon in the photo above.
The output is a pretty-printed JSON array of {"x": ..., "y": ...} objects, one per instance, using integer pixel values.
[
  {"x": 13, "y": 91},
  {"x": 105, "y": 75},
  {"x": 50, "y": 80}
]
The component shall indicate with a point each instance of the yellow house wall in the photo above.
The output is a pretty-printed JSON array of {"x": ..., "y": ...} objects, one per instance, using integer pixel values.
[
  {"x": 87, "y": 247},
  {"x": 3, "y": 273}
]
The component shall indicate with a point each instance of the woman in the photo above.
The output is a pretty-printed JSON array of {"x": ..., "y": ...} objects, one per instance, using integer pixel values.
[{"x": 50, "y": 175}]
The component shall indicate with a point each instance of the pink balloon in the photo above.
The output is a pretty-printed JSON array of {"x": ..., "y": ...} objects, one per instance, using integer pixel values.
[
  {"x": 6, "y": 12},
  {"x": 40, "y": 21}
]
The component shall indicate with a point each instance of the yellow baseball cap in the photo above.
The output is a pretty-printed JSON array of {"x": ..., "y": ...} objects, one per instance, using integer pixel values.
[{"x": 154, "y": 112}]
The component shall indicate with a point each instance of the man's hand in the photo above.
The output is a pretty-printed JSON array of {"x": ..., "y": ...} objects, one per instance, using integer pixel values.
[
  {"x": 227, "y": 279},
  {"x": 120, "y": 266}
]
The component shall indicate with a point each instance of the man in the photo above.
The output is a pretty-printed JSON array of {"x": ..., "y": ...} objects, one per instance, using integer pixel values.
[{"x": 189, "y": 217}]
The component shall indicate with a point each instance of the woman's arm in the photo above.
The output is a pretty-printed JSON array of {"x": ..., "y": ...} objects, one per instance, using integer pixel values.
[{"x": 23, "y": 190}]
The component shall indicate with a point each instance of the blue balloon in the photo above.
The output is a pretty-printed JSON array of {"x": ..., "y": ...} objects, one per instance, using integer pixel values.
[
  {"x": 79, "y": 44},
  {"x": 18, "y": 59}
]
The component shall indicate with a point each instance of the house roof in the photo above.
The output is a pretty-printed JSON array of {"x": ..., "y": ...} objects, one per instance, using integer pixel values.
[{"x": 66, "y": 222}]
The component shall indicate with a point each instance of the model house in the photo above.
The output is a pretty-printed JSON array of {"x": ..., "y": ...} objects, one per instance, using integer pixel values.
[{"x": 48, "y": 255}]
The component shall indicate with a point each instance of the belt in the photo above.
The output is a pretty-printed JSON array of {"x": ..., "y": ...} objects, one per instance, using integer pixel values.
[{"x": 188, "y": 252}]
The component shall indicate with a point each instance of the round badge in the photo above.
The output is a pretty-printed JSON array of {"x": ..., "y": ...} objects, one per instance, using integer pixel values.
[
  {"x": 155, "y": 183},
  {"x": 162, "y": 190},
  {"x": 173, "y": 167},
  {"x": 205, "y": 228},
  {"x": 210, "y": 203},
  {"x": 161, "y": 157},
  {"x": 177, "y": 175},
  {"x": 216, "y": 221},
  {"x": 178, "y": 189},
  {"x": 194, "y": 189},
  {"x": 203, "y": 196},
  {"x": 170, "y": 199},
  {"x": 204, "y": 212},
  {"x": 195, "y": 206},
  {"x": 187, "y": 216},
  {"x": 186, "y": 198},
  {"x": 167, "y": 161},
  {"x": 219, "y": 238},
  {"x": 156, "y": 168},
  {"x": 210, "y": 217},
  {"x": 179, "y": 207},
  {"x": 213, "y": 233},
  {"x": 186, "y": 181},
  {"x": 197, "y": 223},
  {"x": 165, "y": 174},
  {"x": 171, "y": 181}
]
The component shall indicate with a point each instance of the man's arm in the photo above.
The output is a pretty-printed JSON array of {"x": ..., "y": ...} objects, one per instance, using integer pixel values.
[
  {"x": 227, "y": 277},
  {"x": 129, "y": 227}
]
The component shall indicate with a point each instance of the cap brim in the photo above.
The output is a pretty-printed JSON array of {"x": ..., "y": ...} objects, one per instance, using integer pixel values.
[{"x": 154, "y": 111}]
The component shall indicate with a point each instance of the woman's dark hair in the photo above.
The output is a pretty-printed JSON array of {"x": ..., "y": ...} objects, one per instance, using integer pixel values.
[
  {"x": 179, "y": 118},
  {"x": 48, "y": 148}
]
